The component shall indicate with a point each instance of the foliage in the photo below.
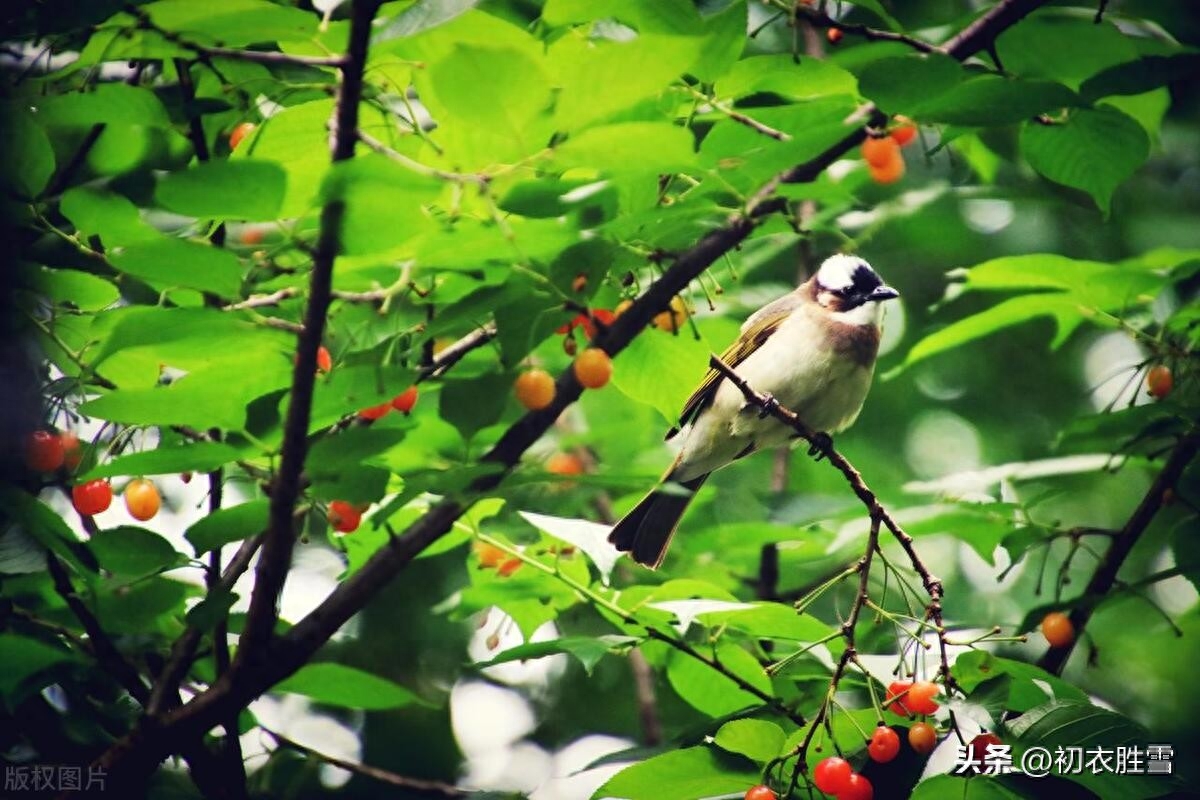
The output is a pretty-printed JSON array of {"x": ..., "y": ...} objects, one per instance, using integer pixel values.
[{"x": 448, "y": 193}]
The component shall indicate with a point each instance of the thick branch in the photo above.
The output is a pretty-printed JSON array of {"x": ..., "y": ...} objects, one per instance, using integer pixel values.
[
  {"x": 276, "y": 558},
  {"x": 1122, "y": 545}
]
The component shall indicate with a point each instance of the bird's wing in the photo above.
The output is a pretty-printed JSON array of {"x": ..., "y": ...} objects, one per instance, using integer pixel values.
[{"x": 757, "y": 330}]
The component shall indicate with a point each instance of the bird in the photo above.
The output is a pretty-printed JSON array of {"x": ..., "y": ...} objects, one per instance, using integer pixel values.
[{"x": 813, "y": 351}]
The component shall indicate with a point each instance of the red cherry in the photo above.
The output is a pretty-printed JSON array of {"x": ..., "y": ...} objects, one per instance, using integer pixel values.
[
  {"x": 72, "y": 451},
  {"x": 406, "y": 400},
  {"x": 920, "y": 697},
  {"x": 375, "y": 412},
  {"x": 92, "y": 497},
  {"x": 44, "y": 451},
  {"x": 857, "y": 788},
  {"x": 884, "y": 745},
  {"x": 760, "y": 793},
  {"x": 895, "y": 689},
  {"x": 343, "y": 516},
  {"x": 831, "y": 774},
  {"x": 324, "y": 360}
]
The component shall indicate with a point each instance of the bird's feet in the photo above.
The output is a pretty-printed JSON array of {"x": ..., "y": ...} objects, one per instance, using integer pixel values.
[
  {"x": 769, "y": 406},
  {"x": 820, "y": 445}
]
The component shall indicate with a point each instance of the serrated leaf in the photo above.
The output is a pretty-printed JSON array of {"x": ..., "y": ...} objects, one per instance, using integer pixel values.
[
  {"x": 500, "y": 89},
  {"x": 28, "y": 162},
  {"x": 629, "y": 147},
  {"x": 347, "y": 687},
  {"x": 241, "y": 189},
  {"x": 972, "y": 669},
  {"x": 422, "y": 16},
  {"x": 198, "y": 457},
  {"x": 71, "y": 287},
  {"x": 1142, "y": 75},
  {"x": 1094, "y": 150},
  {"x": 660, "y": 369},
  {"x": 900, "y": 83},
  {"x": 994, "y": 100},
  {"x": 233, "y": 23},
  {"x": 780, "y": 74},
  {"x": 382, "y": 203},
  {"x": 37, "y": 520},
  {"x": 681, "y": 775},
  {"x": 228, "y": 525},
  {"x": 756, "y": 739}
]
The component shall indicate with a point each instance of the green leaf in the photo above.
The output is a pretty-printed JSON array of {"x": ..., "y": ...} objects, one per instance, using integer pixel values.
[
  {"x": 351, "y": 388},
  {"x": 71, "y": 287},
  {"x": 724, "y": 40},
  {"x": 382, "y": 203},
  {"x": 296, "y": 139},
  {"x": 769, "y": 621},
  {"x": 500, "y": 89},
  {"x": 972, "y": 669},
  {"x": 211, "y": 611},
  {"x": 661, "y": 369},
  {"x": 1081, "y": 724},
  {"x": 982, "y": 787},
  {"x": 23, "y": 658},
  {"x": 347, "y": 687},
  {"x": 473, "y": 404},
  {"x": 629, "y": 147},
  {"x": 586, "y": 650},
  {"x": 902, "y": 83},
  {"x": 779, "y": 74},
  {"x": 167, "y": 263},
  {"x": 37, "y": 520},
  {"x": 151, "y": 605},
  {"x": 422, "y": 16},
  {"x": 28, "y": 159},
  {"x": 103, "y": 213},
  {"x": 590, "y": 537},
  {"x": 198, "y": 457},
  {"x": 20, "y": 554},
  {"x": 712, "y": 692},
  {"x": 233, "y": 23},
  {"x": 994, "y": 100},
  {"x": 1094, "y": 150},
  {"x": 224, "y": 189},
  {"x": 133, "y": 552},
  {"x": 1142, "y": 75},
  {"x": 228, "y": 525},
  {"x": 756, "y": 739},
  {"x": 681, "y": 775}
]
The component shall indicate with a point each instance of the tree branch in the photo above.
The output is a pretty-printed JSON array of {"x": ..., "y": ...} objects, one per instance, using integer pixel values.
[
  {"x": 138, "y": 753},
  {"x": 279, "y": 540},
  {"x": 106, "y": 652},
  {"x": 367, "y": 771},
  {"x": 822, "y": 20},
  {"x": 1122, "y": 545}
]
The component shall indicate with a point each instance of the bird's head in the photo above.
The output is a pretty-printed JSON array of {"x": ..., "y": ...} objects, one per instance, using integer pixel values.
[{"x": 848, "y": 288}]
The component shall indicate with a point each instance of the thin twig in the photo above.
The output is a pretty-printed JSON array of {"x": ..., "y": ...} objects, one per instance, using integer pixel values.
[
  {"x": 367, "y": 771},
  {"x": 737, "y": 116},
  {"x": 820, "y": 19},
  {"x": 417, "y": 166},
  {"x": 1105, "y": 576}
]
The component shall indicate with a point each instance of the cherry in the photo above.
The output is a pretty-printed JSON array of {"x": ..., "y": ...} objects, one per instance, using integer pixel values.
[
  {"x": 920, "y": 697},
  {"x": 375, "y": 412},
  {"x": 593, "y": 368},
  {"x": 922, "y": 737},
  {"x": 238, "y": 133},
  {"x": 324, "y": 360},
  {"x": 884, "y": 744},
  {"x": 509, "y": 567},
  {"x": 406, "y": 400},
  {"x": 979, "y": 749},
  {"x": 142, "y": 499},
  {"x": 831, "y": 774},
  {"x": 879, "y": 152},
  {"x": 253, "y": 235},
  {"x": 343, "y": 516},
  {"x": 834, "y": 35},
  {"x": 760, "y": 792},
  {"x": 534, "y": 389},
  {"x": 904, "y": 132},
  {"x": 856, "y": 788},
  {"x": 92, "y": 498},
  {"x": 672, "y": 319},
  {"x": 1159, "y": 381},
  {"x": 565, "y": 464},
  {"x": 1058, "y": 630},
  {"x": 44, "y": 451},
  {"x": 489, "y": 555},
  {"x": 888, "y": 173},
  {"x": 72, "y": 451},
  {"x": 895, "y": 689}
]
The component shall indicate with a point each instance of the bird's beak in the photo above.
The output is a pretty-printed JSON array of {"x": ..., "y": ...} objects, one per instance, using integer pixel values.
[{"x": 883, "y": 292}]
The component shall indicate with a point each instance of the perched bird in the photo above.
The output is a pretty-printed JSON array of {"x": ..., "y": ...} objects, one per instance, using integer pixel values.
[{"x": 813, "y": 350}]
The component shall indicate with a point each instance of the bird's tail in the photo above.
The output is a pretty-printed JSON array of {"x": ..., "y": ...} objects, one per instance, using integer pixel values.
[{"x": 646, "y": 531}]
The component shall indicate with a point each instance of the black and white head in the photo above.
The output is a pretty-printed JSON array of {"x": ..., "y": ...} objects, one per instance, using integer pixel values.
[{"x": 850, "y": 290}]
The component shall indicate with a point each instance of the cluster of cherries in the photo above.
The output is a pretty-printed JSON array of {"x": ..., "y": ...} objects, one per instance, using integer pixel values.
[{"x": 48, "y": 451}]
